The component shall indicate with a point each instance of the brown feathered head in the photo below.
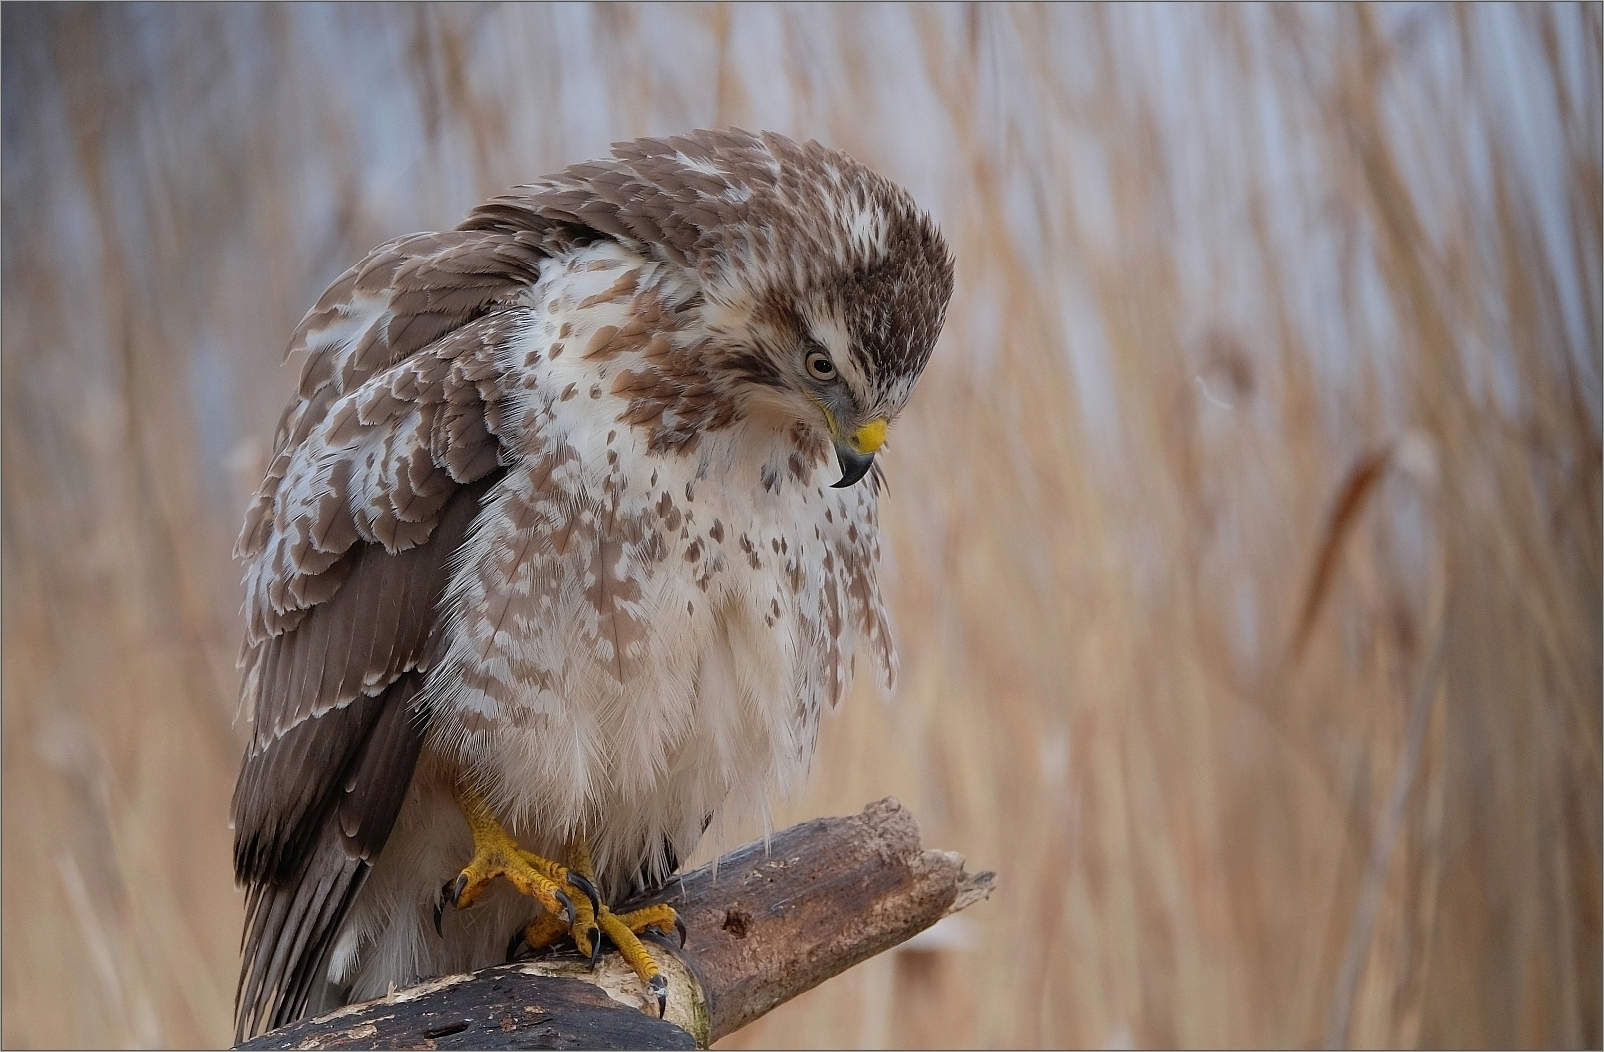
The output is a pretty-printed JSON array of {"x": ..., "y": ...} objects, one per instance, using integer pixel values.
[{"x": 826, "y": 283}]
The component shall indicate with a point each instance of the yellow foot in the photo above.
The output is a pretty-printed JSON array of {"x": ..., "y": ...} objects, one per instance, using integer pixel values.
[
  {"x": 593, "y": 920},
  {"x": 496, "y": 854}
]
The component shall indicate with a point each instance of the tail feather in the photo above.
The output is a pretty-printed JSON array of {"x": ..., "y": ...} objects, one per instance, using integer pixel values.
[{"x": 292, "y": 924}]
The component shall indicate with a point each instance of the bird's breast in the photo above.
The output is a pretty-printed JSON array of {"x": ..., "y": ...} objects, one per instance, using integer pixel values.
[{"x": 639, "y": 640}]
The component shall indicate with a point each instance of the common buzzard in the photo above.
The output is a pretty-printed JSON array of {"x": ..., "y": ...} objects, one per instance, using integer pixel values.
[{"x": 564, "y": 544}]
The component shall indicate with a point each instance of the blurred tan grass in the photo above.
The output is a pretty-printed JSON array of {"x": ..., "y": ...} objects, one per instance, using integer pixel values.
[{"x": 1244, "y": 535}]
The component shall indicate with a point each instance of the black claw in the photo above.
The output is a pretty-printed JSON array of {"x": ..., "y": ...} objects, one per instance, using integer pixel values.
[
  {"x": 516, "y": 945},
  {"x": 457, "y": 887},
  {"x": 579, "y": 881},
  {"x": 569, "y": 914},
  {"x": 448, "y": 893},
  {"x": 679, "y": 926},
  {"x": 594, "y": 935},
  {"x": 658, "y": 984}
]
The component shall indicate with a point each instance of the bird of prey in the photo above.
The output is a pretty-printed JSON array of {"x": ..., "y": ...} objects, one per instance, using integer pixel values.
[{"x": 565, "y": 542}]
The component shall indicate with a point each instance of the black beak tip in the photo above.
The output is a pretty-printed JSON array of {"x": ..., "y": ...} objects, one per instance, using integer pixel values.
[{"x": 853, "y": 466}]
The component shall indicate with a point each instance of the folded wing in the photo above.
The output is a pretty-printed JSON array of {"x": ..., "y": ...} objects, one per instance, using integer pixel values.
[{"x": 379, "y": 468}]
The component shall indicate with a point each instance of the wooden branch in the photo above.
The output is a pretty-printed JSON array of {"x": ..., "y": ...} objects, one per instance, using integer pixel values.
[{"x": 764, "y": 926}]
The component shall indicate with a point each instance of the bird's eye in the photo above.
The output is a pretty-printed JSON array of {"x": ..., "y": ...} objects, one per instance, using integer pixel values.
[{"x": 820, "y": 367}]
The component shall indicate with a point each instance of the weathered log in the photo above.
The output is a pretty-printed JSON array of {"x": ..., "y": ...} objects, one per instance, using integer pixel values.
[{"x": 764, "y": 925}]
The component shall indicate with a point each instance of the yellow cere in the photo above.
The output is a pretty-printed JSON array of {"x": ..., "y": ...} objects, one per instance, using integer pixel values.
[{"x": 870, "y": 437}]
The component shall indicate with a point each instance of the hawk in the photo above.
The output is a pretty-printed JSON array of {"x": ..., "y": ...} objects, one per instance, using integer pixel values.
[{"x": 565, "y": 542}]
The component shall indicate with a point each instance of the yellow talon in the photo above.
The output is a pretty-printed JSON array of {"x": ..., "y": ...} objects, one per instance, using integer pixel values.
[
  {"x": 587, "y": 936},
  {"x": 661, "y": 916},
  {"x": 584, "y": 917},
  {"x": 496, "y": 854},
  {"x": 635, "y": 954},
  {"x": 622, "y": 929}
]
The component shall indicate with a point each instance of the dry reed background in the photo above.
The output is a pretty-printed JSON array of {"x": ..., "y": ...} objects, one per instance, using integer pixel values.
[{"x": 1244, "y": 533}]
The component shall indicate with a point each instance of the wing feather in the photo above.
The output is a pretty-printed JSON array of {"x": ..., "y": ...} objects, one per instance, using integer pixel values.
[
  {"x": 379, "y": 468},
  {"x": 318, "y": 800}
]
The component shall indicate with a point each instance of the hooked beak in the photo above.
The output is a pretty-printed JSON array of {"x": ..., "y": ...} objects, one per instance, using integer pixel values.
[
  {"x": 853, "y": 465},
  {"x": 856, "y": 454}
]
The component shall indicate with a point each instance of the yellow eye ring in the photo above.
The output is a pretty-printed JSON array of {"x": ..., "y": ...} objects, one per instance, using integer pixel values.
[{"x": 819, "y": 366}]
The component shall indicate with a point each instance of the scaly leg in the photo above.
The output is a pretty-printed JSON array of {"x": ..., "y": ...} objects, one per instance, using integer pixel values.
[
  {"x": 496, "y": 854},
  {"x": 621, "y": 929}
]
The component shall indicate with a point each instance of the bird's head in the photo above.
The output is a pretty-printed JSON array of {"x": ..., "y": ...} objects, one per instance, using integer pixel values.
[
  {"x": 829, "y": 286},
  {"x": 839, "y": 341},
  {"x": 823, "y": 287}
]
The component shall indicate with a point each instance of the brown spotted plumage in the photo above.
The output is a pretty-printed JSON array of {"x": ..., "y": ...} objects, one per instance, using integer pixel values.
[{"x": 553, "y": 523}]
